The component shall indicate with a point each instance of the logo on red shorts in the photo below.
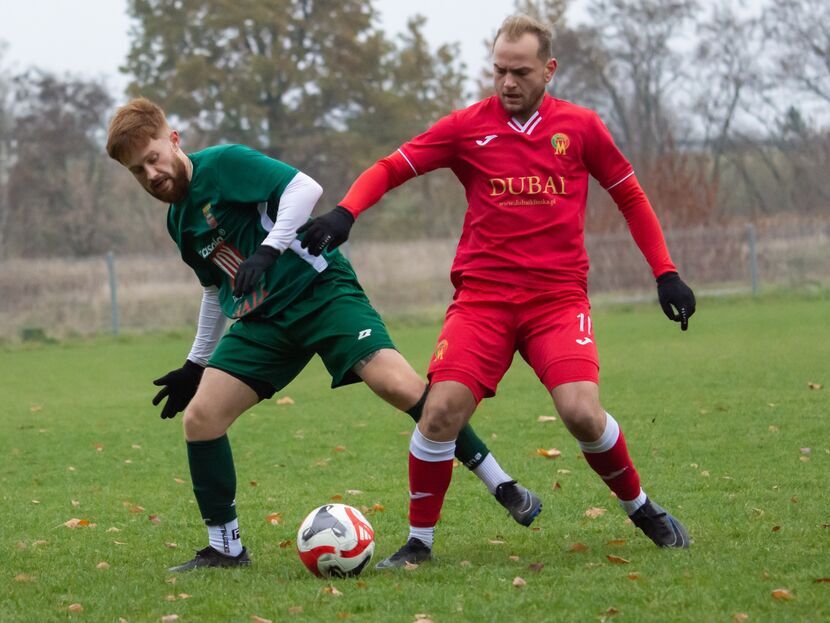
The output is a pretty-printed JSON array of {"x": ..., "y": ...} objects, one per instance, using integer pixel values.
[{"x": 440, "y": 349}]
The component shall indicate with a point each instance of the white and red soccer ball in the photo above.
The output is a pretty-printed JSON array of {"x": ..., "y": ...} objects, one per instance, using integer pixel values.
[{"x": 335, "y": 540}]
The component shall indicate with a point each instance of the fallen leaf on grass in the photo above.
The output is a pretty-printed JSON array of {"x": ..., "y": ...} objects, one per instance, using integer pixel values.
[
  {"x": 812, "y": 385},
  {"x": 99, "y": 447},
  {"x": 71, "y": 469},
  {"x": 633, "y": 576},
  {"x": 285, "y": 400},
  {"x": 286, "y": 543},
  {"x": 74, "y": 503},
  {"x": 519, "y": 582},
  {"x": 546, "y": 418},
  {"x": 776, "y": 528},
  {"x": 782, "y": 594},
  {"x": 617, "y": 560},
  {"x": 154, "y": 518},
  {"x": 120, "y": 542},
  {"x": 495, "y": 542},
  {"x": 536, "y": 566},
  {"x": 35, "y": 408},
  {"x": 40, "y": 542},
  {"x": 184, "y": 596},
  {"x": 378, "y": 508},
  {"x": 595, "y": 512},
  {"x": 612, "y": 611},
  {"x": 464, "y": 563},
  {"x": 822, "y": 581},
  {"x": 556, "y": 486},
  {"x": 256, "y": 619},
  {"x": 332, "y": 591},
  {"x": 78, "y": 523},
  {"x": 169, "y": 618},
  {"x": 422, "y": 618},
  {"x": 410, "y": 566},
  {"x": 617, "y": 542},
  {"x": 24, "y": 577},
  {"x": 170, "y": 597},
  {"x": 339, "y": 448},
  {"x": 578, "y": 548},
  {"x": 295, "y": 610},
  {"x": 274, "y": 519},
  {"x": 804, "y": 459},
  {"x": 336, "y": 497},
  {"x": 513, "y": 558},
  {"x": 170, "y": 580},
  {"x": 551, "y": 453},
  {"x": 354, "y": 491},
  {"x": 75, "y": 608},
  {"x": 739, "y": 617},
  {"x": 794, "y": 500},
  {"x": 113, "y": 529},
  {"x": 361, "y": 584},
  {"x": 253, "y": 483},
  {"x": 563, "y": 471},
  {"x": 805, "y": 450},
  {"x": 135, "y": 446},
  {"x": 179, "y": 481},
  {"x": 102, "y": 565}
]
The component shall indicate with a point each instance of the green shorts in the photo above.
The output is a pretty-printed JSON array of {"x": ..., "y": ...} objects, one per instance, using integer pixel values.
[{"x": 333, "y": 318}]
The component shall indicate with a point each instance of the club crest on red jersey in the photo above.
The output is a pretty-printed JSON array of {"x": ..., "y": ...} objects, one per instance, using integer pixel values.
[
  {"x": 440, "y": 349},
  {"x": 560, "y": 143}
]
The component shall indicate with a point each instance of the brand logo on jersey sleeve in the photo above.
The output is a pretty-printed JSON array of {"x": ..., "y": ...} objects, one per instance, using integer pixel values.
[
  {"x": 483, "y": 141},
  {"x": 560, "y": 143}
]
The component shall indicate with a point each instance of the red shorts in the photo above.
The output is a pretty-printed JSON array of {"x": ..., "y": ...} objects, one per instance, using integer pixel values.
[{"x": 552, "y": 331}]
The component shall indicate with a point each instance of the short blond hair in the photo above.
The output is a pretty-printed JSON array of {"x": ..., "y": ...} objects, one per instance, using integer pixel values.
[
  {"x": 515, "y": 26},
  {"x": 133, "y": 126}
]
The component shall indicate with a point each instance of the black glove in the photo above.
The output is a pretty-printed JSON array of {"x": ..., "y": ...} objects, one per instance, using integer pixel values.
[
  {"x": 673, "y": 292},
  {"x": 179, "y": 386},
  {"x": 328, "y": 231},
  {"x": 251, "y": 270}
]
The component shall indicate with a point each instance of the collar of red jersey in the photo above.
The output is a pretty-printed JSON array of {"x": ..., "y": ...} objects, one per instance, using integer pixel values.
[{"x": 528, "y": 126}]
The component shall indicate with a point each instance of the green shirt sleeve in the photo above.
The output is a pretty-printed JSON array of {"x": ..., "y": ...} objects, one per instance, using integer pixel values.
[{"x": 248, "y": 176}]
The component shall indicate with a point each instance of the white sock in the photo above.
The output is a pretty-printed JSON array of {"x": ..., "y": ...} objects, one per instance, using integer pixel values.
[
  {"x": 425, "y": 535},
  {"x": 224, "y": 538},
  {"x": 632, "y": 506},
  {"x": 491, "y": 473}
]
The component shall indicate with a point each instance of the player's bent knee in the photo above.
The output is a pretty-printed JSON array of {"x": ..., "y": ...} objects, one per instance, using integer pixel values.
[
  {"x": 440, "y": 420},
  {"x": 201, "y": 423}
]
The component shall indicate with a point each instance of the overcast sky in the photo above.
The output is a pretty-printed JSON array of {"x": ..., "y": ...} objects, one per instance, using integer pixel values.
[{"x": 89, "y": 37}]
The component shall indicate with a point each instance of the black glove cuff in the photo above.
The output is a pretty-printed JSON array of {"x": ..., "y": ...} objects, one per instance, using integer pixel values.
[
  {"x": 267, "y": 250},
  {"x": 193, "y": 368},
  {"x": 667, "y": 277},
  {"x": 344, "y": 213}
]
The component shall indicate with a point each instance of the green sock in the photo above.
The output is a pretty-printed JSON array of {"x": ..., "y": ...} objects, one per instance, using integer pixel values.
[
  {"x": 214, "y": 479},
  {"x": 469, "y": 448}
]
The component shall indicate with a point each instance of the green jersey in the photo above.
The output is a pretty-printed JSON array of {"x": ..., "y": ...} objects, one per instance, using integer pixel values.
[{"x": 230, "y": 208}]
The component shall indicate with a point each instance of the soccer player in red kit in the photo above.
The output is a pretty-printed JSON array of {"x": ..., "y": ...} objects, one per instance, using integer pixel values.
[{"x": 520, "y": 271}]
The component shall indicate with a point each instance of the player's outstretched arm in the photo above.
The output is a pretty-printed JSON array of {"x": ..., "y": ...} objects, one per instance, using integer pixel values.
[
  {"x": 332, "y": 229},
  {"x": 676, "y": 298},
  {"x": 180, "y": 385}
]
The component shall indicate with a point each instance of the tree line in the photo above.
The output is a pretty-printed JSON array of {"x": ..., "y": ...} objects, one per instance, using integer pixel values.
[{"x": 724, "y": 113}]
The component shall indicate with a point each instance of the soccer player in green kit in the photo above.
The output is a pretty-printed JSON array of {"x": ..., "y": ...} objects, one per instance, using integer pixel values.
[{"x": 234, "y": 214}]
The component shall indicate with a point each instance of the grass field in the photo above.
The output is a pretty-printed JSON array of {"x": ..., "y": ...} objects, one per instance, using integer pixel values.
[{"x": 721, "y": 422}]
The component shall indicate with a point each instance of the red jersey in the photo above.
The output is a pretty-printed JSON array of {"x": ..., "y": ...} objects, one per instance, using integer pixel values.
[{"x": 526, "y": 186}]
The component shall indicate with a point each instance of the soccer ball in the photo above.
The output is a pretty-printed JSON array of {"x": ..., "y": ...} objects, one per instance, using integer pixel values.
[{"x": 335, "y": 540}]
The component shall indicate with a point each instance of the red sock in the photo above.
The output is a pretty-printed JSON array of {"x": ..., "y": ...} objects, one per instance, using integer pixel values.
[
  {"x": 430, "y": 472},
  {"x": 609, "y": 458}
]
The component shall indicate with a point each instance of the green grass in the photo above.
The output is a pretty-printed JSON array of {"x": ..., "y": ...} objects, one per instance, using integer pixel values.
[{"x": 715, "y": 419}]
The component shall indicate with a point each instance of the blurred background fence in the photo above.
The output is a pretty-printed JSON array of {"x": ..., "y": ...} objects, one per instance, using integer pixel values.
[{"x": 42, "y": 298}]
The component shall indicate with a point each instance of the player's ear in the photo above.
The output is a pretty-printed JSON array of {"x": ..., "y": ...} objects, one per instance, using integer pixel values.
[
  {"x": 550, "y": 69},
  {"x": 174, "y": 139}
]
